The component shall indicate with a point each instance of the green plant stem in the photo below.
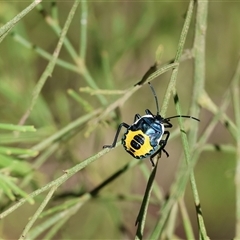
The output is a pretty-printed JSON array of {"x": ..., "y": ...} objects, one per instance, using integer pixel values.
[
  {"x": 199, "y": 81},
  {"x": 186, "y": 220},
  {"x": 177, "y": 59},
  {"x": 38, "y": 212},
  {"x": 80, "y": 62},
  {"x": 56, "y": 221},
  {"x": 199, "y": 61},
  {"x": 129, "y": 93},
  {"x": 60, "y": 134},
  {"x": 141, "y": 218},
  {"x": 4, "y": 30},
  {"x": 212, "y": 124},
  {"x": 187, "y": 153},
  {"x": 236, "y": 104},
  {"x": 49, "y": 69},
  {"x": 171, "y": 223},
  {"x": 206, "y": 102},
  {"x": 12, "y": 127},
  {"x": 67, "y": 174},
  {"x": 170, "y": 88},
  {"x": 156, "y": 188},
  {"x": 54, "y": 10},
  {"x": 167, "y": 208},
  {"x": 85, "y": 104},
  {"x": 44, "y": 54},
  {"x": 57, "y": 29},
  {"x": 225, "y": 148},
  {"x": 83, "y": 24}
]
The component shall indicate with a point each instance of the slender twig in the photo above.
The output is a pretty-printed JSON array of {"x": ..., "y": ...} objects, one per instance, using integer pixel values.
[
  {"x": 38, "y": 212},
  {"x": 80, "y": 62},
  {"x": 129, "y": 92},
  {"x": 4, "y": 30},
  {"x": 199, "y": 81},
  {"x": 49, "y": 69},
  {"x": 206, "y": 102},
  {"x": 57, "y": 29},
  {"x": 67, "y": 174},
  {"x": 180, "y": 48},
  {"x": 157, "y": 231},
  {"x": 43, "y": 53},
  {"x": 186, "y": 220},
  {"x": 141, "y": 218},
  {"x": 236, "y": 104},
  {"x": 83, "y": 23},
  {"x": 60, "y": 134}
]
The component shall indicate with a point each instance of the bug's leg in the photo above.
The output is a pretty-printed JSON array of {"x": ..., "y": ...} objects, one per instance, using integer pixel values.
[
  {"x": 148, "y": 112},
  {"x": 152, "y": 162},
  {"x": 136, "y": 117},
  {"x": 156, "y": 153},
  {"x": 167, "y": 124},
  {"x": 116, "y": 136},
  {"x": 163, "y": 149},
  {"x": 163, "y": 143}
]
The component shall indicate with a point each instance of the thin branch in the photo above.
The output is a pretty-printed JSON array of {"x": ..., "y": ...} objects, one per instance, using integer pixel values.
[{"x": 50, "y": 67}]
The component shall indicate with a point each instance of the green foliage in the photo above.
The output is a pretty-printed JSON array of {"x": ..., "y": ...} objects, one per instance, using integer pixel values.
[{"x": 68, "y": 71}]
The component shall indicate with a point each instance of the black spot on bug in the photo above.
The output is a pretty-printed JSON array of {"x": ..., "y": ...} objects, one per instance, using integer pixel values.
[
  {"x": 132, "y": 150},
  {"x": 139, "y": 138},
  {"x": 135, "y": 144}
]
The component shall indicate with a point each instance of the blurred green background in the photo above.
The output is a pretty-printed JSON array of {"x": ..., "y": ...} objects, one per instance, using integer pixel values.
[{"x": 122, "y": 38}]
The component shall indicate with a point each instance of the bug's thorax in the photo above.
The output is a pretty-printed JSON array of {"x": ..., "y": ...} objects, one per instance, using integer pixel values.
[
  {"x": 148, "y": 122},
  {"x": 154, "y": 119}
]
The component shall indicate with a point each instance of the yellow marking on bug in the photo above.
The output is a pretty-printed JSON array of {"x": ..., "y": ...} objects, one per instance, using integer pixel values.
[{"x": 144, "y": 149}]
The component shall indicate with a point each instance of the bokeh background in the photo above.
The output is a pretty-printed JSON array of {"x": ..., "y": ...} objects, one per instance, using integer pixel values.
[{"x": 122, "y": 39}]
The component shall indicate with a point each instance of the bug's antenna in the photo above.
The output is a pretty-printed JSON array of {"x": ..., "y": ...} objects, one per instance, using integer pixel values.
[
  {"x": 183, "y": 116},
  {"x": 155, "y": 96}
]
